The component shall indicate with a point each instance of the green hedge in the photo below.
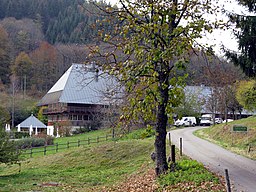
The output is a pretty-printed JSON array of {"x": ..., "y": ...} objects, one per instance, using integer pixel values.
[
  {"x": 33, "y": 142},
  {"x": 19, "y": 135}
]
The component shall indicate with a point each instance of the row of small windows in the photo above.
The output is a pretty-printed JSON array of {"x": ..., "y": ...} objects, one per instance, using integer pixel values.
[
  {"x": 72, "y": 118},
  {"x": 80, "y": 117}
]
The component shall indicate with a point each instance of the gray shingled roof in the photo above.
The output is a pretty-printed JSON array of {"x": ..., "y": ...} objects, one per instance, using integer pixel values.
[
  {"x": 83, "y": 84},
  {"x": 32, "y": 120}
]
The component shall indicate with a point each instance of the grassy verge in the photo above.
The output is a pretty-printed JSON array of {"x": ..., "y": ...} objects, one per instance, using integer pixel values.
[
  {"x": 234, "y": 141},
  {"x": 190, "y": 176}
]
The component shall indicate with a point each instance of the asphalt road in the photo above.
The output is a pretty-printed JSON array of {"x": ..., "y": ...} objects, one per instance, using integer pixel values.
[{"x": 242, "y": 171}]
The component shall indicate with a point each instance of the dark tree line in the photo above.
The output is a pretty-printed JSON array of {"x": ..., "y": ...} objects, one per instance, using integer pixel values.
[{"x": 62, "y": 21}]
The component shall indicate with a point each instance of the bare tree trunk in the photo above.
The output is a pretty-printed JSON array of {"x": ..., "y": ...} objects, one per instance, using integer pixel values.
[{"x": 160, "y": 141}]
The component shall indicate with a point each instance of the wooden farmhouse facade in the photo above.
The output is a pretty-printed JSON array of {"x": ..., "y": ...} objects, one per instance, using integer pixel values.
[{"x": 80, "y": 98}]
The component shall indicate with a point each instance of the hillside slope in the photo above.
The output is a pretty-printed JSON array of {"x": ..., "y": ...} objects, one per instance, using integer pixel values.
[{"x": 121, "y": 165}]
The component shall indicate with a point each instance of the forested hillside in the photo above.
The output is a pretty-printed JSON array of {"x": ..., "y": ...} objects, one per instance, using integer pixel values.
[
  {"x": 65, "y": 21},
  {"x": 39, "y": 40}
]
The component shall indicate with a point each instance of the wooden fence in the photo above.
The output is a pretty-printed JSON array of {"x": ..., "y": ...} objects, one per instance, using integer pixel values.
[{"x": 56, "y": 147}]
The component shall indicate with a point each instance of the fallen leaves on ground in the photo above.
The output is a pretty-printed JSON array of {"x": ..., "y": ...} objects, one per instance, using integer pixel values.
[{"x": 147, "y": 183}]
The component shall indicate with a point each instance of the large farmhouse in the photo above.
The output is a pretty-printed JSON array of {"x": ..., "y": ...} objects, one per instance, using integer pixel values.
[{"x": 80, "y": 97}]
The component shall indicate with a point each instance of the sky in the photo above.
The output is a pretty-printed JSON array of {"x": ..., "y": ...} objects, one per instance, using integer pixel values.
[{"x": 219, "y": 37}]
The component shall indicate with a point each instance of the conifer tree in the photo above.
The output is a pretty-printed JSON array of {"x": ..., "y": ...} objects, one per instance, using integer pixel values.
[
  {"x": 8, "y": 151},
  {"x": 246, "y": 58}
]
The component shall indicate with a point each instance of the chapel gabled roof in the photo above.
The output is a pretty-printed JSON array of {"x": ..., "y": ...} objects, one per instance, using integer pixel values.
[
  {"x": 81, "y": 84},
  {"x": 32, "y": 120}
]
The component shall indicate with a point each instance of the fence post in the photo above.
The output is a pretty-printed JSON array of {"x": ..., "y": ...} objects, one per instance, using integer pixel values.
[
  {"x": 113, "y": 133},
  {"x": 45, "y": 150},
  {"x": 78, "y": 143},
  {"x": 31, "y": 151},
  {"x": 68, "y": 144},
  {"x": 169, "y": 137},
  {"x": 180, "y": 146},
  {"x": 57, "y": 147},
  {"x": 227, "y": 181},
  {"x": 249, "y": 148},
  {"x": 173, "y": 153}
]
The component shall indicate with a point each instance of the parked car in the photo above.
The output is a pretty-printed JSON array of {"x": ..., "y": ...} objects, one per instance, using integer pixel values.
[
  {"x": 206, "y": 119},
  {"x": 186, "y": 121},
  {"x": 227, "y": 120},
  {"x": 218, "y": 120}
]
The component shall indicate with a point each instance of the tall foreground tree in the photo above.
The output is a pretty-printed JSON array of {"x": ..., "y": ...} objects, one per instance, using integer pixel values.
[
  {"x": 246, "y": 58},
  {"x": 149, "y": 45}
]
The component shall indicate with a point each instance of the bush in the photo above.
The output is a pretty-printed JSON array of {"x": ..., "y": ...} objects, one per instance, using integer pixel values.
[
  {"x": 189, "y": 171},
  {"x": 34, "y": 142},
  {"x": 148, "y": 132},
  {"x": 140, "y": 133},
  {"x": 19, "y": 135},
  {"x": 49, "y": 140},
  {"x": 81, "y": 130}
]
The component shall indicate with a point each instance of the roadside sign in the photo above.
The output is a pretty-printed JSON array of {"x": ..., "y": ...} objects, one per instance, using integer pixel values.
[{"x": 240, "y": 128}]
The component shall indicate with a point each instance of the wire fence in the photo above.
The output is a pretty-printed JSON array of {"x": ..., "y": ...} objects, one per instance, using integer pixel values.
[{"x": 47, "y": 149}]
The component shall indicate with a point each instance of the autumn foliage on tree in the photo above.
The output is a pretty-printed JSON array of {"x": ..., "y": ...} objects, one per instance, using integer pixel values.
[
  {"x": 151, "y": 42},
  {"x": 44, "y": 66},
  {"x": 246, "y": 94}
]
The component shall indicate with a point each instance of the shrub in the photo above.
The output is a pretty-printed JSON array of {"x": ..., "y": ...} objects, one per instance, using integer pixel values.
[
  {"x": 148, "y": 132},
  {"x": 34, "y": 142},
  {"x": 49, "y": 140},
  {"x": 189, "y": 171},
  {"x": 19, "y": 135},
  {"x": 81, "y": 130},
  {"x": 140, "y": 133}
]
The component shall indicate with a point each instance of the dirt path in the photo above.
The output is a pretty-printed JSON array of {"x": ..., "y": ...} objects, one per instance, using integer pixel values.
[{"x": 242, "y": 171}]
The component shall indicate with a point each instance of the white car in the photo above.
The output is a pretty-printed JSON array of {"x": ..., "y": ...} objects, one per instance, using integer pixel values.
[
  {"x": 186, "y": 121},
  {"x": 228, "y": 120},
  {"x": 218, "y": 120}
]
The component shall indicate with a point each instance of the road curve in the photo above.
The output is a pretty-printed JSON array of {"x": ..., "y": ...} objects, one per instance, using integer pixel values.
[{"x": 242, "y": 171}]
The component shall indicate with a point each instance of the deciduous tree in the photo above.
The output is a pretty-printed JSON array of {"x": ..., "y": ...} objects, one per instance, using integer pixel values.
[
  {"x": 246, "y": 94},
  {"x": 153, "y": 40},
  {"x": 44, "y": 66}
]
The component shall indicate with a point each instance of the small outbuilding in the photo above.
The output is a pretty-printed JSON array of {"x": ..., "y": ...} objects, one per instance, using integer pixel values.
[{"x": 32, "y": 125}]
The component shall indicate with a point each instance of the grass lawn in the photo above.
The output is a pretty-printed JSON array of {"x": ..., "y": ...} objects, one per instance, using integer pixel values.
[
  {"x": 98, "y": 166},
  {"x": 78, "y": 168},
  {"x": 222, "y": 135},
  {"x": 71, "y": 142}
]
